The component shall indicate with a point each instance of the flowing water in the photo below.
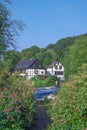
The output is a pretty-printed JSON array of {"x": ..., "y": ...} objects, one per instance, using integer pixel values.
[{"x": 43, "y": 93}]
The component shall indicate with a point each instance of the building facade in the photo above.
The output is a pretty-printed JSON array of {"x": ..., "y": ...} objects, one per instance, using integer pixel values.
[
  {"x": 32, "y": 68},
  {"x": 56, "y": 69}
]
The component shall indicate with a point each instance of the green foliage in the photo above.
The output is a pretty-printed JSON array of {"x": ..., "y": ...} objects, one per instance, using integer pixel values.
[
  {"x": 4, "y": 75},
  {"x": 47, "y": 60},
  {"x": 48, "y": 81},
  {"x": 17, "y": 108},
  {"x": 9, "y": 28},
  {"x": 11, "y": 58},
  {"x": 38, "y": 81},
  {"x": 78, "y": 53},
  {"x": 29, "y": 52},
  {"x": 69, "y": 110},
  {"x": 71, "y": 52},
  {"x": 48, "y": 57}
]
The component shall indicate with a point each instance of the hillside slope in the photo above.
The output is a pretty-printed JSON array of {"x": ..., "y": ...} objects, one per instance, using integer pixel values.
[{"x": 71, "y": 52}]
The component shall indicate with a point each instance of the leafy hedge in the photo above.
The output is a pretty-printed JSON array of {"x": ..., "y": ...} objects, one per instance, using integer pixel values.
[
  {"x": 17, "y": 107},
  {"x": 69, "y": 110}
]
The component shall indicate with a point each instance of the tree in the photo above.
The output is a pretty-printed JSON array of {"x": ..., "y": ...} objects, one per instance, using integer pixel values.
[
  {"x": 30, "y": 52},
  {"x": 47, "y": 59},
  {"x": 11, "y": 58},
  {"x": 8, "y": 28}
]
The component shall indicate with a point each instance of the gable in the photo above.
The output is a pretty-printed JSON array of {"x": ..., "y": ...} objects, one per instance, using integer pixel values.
[{"x": 55, "y": 65}]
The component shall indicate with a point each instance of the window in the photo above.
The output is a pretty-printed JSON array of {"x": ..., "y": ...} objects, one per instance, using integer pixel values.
[
  {"x": 60, "y": 67},
  {"x": 36, "y": 71},
  {"x": 59, "y": 73}
]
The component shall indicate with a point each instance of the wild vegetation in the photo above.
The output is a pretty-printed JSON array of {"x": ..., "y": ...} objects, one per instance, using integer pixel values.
[
  {"x": 69, "y": 110},
  {"x": 71, "y": 52},
  {"x": 17, "y": 108},
  {"x": 9, "y": 28},
  {"x": 43, "y": 82}
]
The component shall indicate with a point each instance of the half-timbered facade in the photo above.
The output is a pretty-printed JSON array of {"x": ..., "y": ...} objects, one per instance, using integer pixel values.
[
  {"x": 56, "y": 69},
  {"x": 31, "y": 68}
]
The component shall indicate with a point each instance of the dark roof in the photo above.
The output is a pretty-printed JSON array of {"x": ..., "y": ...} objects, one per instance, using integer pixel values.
[{"x": 25, "y": 64}]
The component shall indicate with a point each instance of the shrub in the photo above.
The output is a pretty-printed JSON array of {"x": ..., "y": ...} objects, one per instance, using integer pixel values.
[
  {"x": 69, "y": 110},
  {"x": 48, "y": 81},
  {"x": 4, "y": 75},
  {"x": 17, "y": 107}
]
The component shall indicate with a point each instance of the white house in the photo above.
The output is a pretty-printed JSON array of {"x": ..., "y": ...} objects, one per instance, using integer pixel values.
[
  {"x": 31, "y": 68},
  {"x": 56, "y": 69}
]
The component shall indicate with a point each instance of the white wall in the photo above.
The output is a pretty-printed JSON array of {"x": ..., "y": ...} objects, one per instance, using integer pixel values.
[
  {"x": 49, "y": 71},
  {"x": 56, "y": 68},
  {"x": 33, "y": 72},
  {"x": 41, "y": 71}
]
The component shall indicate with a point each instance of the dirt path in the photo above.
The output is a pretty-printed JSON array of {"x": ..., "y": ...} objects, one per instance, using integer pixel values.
[{"x": 42, "y": 119}]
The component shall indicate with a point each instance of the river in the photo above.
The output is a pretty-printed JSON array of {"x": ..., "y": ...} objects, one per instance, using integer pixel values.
[{"x": 45, "y": 92}]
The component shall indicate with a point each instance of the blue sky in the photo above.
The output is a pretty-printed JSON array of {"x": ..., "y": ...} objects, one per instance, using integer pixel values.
[{"x": 49, "y": 20}]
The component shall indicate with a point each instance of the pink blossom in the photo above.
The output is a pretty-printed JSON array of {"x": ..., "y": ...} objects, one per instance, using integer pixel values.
[{"x": 6, "y": 111}]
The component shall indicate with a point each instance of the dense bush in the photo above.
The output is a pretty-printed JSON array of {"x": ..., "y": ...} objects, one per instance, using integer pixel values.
[
  {"x": 69, "y": 110},
  {"x": 48, "y": 81},
  {"x": 17, "y": 107},
  {"x": 4, "y": 75}
]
